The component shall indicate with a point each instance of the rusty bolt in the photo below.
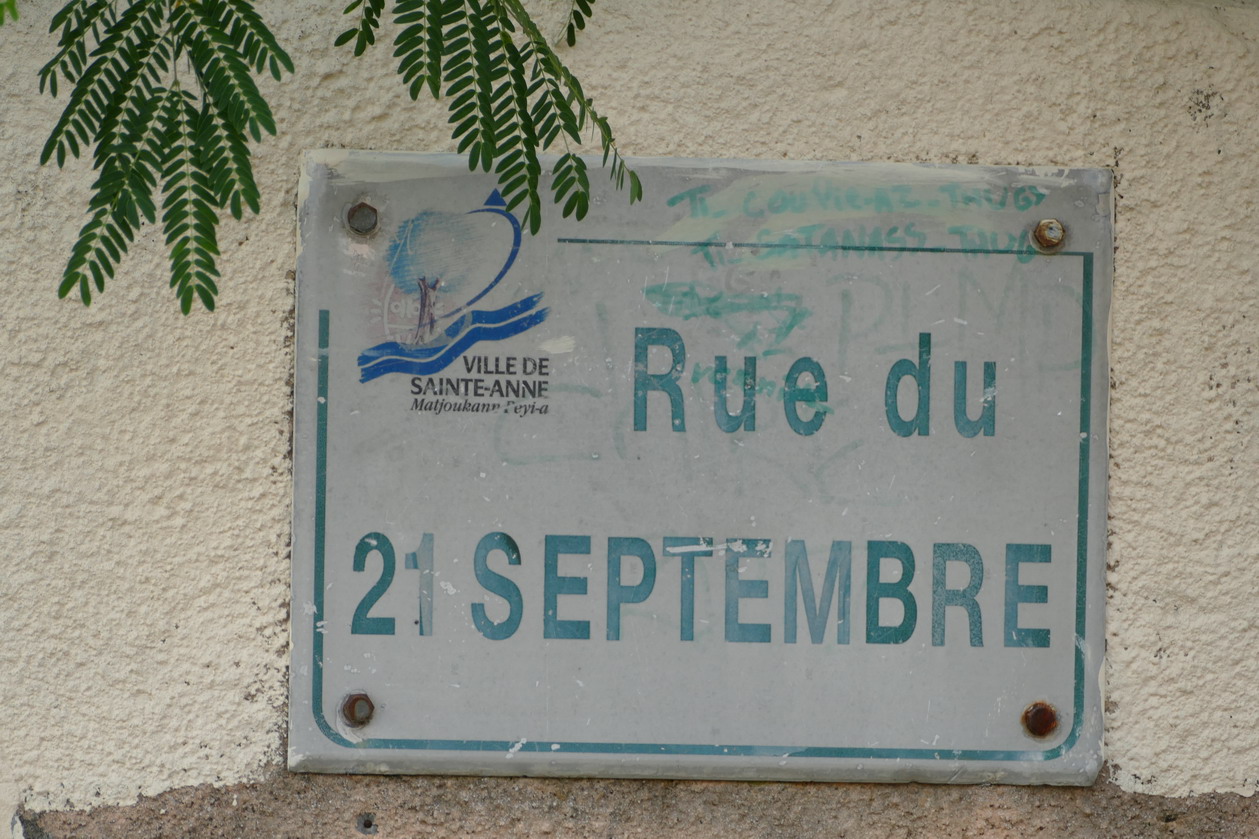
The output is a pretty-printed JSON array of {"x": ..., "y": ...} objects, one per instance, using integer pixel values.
[
  {"x": 361, "y": 218},
  {"x": 1049, "y": 234},
  {"x": 1040, "y": 719},
  {"x": 357, "y": 710}
]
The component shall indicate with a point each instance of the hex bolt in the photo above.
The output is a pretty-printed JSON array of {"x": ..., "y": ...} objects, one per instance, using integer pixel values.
[
  {"x": 1040, "y": 719},
  {"x": 1049, "y": 234},
  {"x": 361, "y": 218},
  {"x": 357, "y": 710}
]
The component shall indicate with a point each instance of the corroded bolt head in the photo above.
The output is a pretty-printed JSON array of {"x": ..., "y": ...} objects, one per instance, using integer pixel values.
[
  {"x": 1049, "y": 234},
  {"x": 361, "y": 218},
  {"x": 357, "y": 710},
  {"x": 1040, "y": 719}
]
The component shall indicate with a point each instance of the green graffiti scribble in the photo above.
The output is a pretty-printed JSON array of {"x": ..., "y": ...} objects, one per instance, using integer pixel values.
[{"x": 691, "y": 300}]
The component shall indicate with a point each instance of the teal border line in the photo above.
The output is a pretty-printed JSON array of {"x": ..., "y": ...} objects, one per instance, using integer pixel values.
[
  {"x": 732, "y": 750},
  {"x": 321, "y": 528}
]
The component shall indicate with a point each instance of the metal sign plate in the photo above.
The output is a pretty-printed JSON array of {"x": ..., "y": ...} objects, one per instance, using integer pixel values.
[{"x": 790, "y": 471}]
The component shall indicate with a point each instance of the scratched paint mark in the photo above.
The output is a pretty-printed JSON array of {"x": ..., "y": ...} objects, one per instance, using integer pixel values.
[{"x": 558, "y": 346}]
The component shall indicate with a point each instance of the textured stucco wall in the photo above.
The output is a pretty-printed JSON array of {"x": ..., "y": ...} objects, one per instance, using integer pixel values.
[{"x": 145, "y": 493}]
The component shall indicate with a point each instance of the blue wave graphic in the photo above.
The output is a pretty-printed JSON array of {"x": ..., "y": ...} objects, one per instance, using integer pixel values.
[
  {"x": 488, "y": 316},
  {"x": 393, "y": 357}
]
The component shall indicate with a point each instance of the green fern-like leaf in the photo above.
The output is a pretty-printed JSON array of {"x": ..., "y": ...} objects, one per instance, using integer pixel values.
[
  {"x": 8, "y": 8},
  {"x": 188, "y": 219},
  {"x": 482, "y": 62},
  {"x": 562, "y": 109},
  {"x": 156, "y": 138},
  {"x": 224, "y": 154},
  {"x": 185, "y": 143},
  {"x": 433, "y": 29},
  {"x": 508, "y": 96},
  {"x": 572, "y": 185},
  {"x": 122, "y": 200},
  {"x": 518, "y": 169},
  {"x": 222, "y": 72},
  {"x": 248, "y": 33},
  {"x": 578, "y": 13},
  {"x": 364, "y": 34},
  {"x": 80, "y": 22},
  {"x": 101, "y": 89}
]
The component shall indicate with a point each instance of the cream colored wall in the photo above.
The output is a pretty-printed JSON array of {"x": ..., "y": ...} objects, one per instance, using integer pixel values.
[{"x": 145, "y": 494}]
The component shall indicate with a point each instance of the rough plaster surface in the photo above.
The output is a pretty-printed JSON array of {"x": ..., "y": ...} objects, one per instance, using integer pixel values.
[{"x": 145, "y": 497}]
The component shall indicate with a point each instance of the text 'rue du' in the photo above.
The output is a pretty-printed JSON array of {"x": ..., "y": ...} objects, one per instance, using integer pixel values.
[{"x": 805, "y": 390}]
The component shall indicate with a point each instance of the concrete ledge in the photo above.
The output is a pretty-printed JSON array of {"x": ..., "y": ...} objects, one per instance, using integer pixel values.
[{"x": 302, "y": 806}]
